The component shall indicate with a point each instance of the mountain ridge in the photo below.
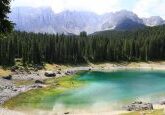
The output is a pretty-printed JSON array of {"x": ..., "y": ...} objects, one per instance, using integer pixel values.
[{"x": 44, "y": 20}]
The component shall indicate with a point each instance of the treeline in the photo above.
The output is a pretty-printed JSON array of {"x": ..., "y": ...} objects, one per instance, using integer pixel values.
[{"x": 142, "y": 45}]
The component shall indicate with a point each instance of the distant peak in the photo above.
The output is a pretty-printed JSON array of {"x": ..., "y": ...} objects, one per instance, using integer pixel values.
[{"x": 44, "y": 19}]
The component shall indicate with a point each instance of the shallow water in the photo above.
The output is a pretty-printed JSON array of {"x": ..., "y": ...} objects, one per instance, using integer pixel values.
[{"x": 105, "y": 90}]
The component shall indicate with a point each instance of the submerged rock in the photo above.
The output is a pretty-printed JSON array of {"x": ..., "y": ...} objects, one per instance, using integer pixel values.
[{"x": 138, "y": 106}]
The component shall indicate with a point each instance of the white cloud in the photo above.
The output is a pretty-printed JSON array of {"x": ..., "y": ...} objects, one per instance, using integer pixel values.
[
  {"x": 146, "y": 8},
  {"x": 98, "y": 6},
  {"x": 31, "y": 3}
]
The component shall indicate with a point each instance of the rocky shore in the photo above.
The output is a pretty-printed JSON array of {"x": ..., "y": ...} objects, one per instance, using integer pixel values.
[
  {"x": 139, "y": 106},
  {"x": 9, "y": 89},
  {"x": 9, "y": 84}
]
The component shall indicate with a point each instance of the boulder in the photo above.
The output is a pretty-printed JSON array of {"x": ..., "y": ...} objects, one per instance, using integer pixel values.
[
  {"x": 138, "y": 106},
  {"x": 39, "y": 82},
  {"x": 8, "y": 77},
  {"x": 50, "y": 74}
]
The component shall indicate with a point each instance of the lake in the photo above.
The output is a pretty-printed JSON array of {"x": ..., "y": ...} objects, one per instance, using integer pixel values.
[{"x": 106, "y": 90}]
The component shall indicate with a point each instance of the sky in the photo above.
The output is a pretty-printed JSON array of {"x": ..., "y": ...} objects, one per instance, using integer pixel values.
[{"x": 143, "y": 8}]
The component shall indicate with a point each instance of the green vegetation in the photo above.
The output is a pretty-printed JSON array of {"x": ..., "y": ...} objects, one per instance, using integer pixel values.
[
  {"x": 36, "y": 98},
  {"x": 31, "y": 97},
  {"x": 142, "y": 45}
]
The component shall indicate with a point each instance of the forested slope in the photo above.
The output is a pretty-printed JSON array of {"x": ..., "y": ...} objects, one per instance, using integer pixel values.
[{"x": 141, "y": 45}]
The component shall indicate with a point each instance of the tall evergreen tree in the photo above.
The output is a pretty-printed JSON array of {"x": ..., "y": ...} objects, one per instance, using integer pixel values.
[{"x": 5, "y": 24}]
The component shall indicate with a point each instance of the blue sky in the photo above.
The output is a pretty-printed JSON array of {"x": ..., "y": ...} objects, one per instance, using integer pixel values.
[
  {"x": 128, "y": 4},
  {"x": 143, "y": 8}
]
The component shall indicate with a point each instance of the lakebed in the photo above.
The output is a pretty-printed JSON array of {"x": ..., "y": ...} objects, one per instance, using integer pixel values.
[{"x": 94, "y": 91}]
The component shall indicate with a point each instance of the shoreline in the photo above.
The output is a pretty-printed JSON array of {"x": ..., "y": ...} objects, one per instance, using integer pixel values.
[{"x": 12, "y": 91}]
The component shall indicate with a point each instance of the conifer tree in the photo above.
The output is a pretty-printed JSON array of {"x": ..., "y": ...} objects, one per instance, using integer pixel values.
[{"x": 5, "y": 24}]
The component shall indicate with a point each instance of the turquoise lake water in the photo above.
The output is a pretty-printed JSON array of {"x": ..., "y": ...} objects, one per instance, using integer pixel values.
[
  {"x": 112, "y": 89},
  {"x": 103, "y": 91}
]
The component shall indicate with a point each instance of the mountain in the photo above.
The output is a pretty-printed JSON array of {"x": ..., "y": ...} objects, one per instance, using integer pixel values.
[
  {"x": 75, "y": 22},
  {"x": 153, "y": 21},
  {"x": 44, "y": 20},
  {"x": 111, "y": 20},
  {"x": 33, "y": 19},
  {"x": 122, "y": 20},
  {"x": 128, "y": 25}
]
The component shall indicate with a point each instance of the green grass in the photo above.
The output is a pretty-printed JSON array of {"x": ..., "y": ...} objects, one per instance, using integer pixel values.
[
  {"x": 31, "y": 98},
  {"x": 34, "y": 97}
]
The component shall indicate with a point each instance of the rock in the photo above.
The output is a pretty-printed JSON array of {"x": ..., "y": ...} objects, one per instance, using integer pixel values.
[
  {"x": 162, "y": 102},
  {"x": 31, "y": 78},
  {"x": 15, "y": 90},
  {"x": 29, "y": 72},
  {"x": 58, "y": 72},
  {"x": 35, "y": 69},
  {"x": 138, "y": 106},
  {"x": 66, "y": 113},
  {"x": 57, "y": 84},
  {"x": 37, "y": 86},
  {"x": 40, "y": 82},
  {"x": 69, "y": 72},
  {"x": 50, "y": 74},
  {"x": 38, "y": 67},
  {"x": 8, "y": 77},
  {"x": 14, "y": 68},
  {"x": 137, "y": 102}
]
